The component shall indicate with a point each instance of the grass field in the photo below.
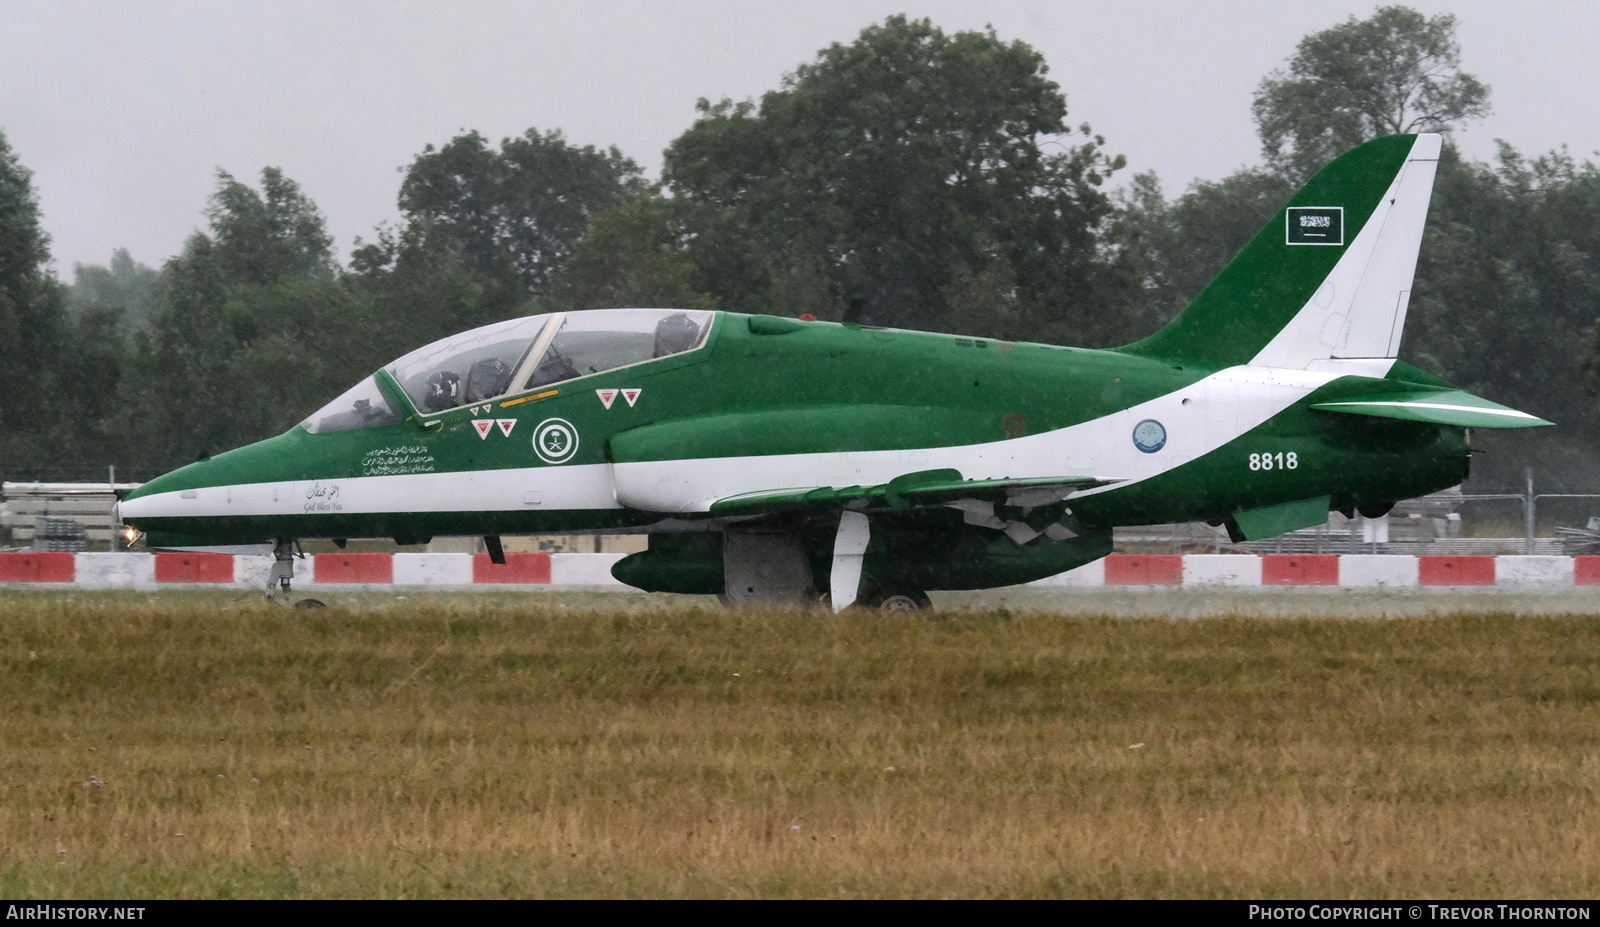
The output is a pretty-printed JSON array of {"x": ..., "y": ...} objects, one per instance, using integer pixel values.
[{"x": 201, "y": 745}]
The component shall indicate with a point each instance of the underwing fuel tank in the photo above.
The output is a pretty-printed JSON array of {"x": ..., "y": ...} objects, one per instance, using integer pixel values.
[{"x": 950, "y": 557}]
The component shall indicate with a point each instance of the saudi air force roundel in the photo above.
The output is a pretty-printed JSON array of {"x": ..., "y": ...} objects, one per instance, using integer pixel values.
[
  {"x": 1149, "y": 436},
  {"x": 555, "y": 440}
]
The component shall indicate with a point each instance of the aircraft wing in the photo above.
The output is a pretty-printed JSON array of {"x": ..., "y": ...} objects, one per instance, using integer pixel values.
[
  {"x": 1443, "y": 407},
  {"x": 923, "y": 489}
]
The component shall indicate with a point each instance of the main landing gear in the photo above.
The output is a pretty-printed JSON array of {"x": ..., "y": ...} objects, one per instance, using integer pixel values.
[
  {"x": 890, "y": 599},
  {"x": 284, "y": 550},
  {"x": 897, "y": 599},
  {"x": 770, "y": 566}
]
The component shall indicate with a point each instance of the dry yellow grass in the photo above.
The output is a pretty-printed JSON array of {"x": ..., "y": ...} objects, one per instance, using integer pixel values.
[{"x": 199, "y": 746}]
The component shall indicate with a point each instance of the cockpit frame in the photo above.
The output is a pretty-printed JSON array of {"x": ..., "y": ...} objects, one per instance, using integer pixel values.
[
  {"x": 436, "y": 376},
  {"x": 536, "y": 353}
]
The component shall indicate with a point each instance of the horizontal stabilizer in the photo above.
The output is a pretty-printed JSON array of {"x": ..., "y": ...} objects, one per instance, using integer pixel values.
[{"x": 1443, "y": 407}]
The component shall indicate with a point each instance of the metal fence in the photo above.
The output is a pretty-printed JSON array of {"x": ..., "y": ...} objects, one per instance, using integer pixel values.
[{"x": 1449, "y": 522}]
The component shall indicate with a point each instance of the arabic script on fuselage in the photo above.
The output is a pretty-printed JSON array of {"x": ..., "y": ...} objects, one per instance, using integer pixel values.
[
  {"x": 320, "y": 498},
  {"x": 393, "y": 461}
]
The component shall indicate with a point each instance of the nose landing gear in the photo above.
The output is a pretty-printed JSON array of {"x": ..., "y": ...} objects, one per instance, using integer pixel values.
[{"x": 284, "y": 550}]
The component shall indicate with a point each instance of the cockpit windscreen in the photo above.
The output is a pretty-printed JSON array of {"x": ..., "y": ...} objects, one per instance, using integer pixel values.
[{"x": 361, "y": 406}]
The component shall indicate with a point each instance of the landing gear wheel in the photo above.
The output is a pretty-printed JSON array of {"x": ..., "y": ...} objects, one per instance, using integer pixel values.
[{"x": 897, "y": 599}]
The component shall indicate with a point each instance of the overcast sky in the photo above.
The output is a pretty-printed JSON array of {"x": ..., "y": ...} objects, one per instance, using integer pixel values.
[{"x": 124, "y": 111}]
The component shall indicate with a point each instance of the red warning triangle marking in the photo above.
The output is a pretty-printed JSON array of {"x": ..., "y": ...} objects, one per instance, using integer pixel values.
[
  {"x": 607, "y": 396},
  {"x": 506, "y": 424},
  {"x": 632, "y": 395},
  {"x": 474, "y": 410},
  {"x": 484, "y": 426}
]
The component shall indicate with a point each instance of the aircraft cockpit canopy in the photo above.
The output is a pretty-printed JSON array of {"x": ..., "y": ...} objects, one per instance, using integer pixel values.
[
  {"x": 361, "y": 406},
  {"x": 517, "y": 356}
]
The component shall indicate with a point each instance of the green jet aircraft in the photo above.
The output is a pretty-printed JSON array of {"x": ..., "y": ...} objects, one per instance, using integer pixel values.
[{"x": 775, "y": 459}]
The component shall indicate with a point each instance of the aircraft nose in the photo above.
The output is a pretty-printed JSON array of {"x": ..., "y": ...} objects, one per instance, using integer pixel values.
[
  {"x": 186, "y": 492},
  {"x": 199, "y": 504},
  {"x": 158, "y": 498}
]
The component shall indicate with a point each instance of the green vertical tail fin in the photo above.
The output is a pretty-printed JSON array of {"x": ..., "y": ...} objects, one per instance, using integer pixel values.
[{"x": 1328, "y": 279}]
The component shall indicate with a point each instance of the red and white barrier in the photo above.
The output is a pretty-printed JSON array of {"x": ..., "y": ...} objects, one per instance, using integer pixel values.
[
  {"x": 328, "y": 571},
  {"x": 593, "y": 571},
  {"x": 1330, "y": 570}
]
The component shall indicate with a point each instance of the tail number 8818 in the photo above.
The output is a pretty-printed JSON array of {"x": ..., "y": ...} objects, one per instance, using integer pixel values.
[{"x": 1278, "y": 461}]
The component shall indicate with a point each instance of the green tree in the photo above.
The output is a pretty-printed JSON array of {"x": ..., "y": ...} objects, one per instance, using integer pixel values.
[
  {"x": 514, "y": 214},
  {"x": 125, "y": 285},
  {"x": 252, "y": 329},
  {"x": 263, "y": 237},
  {"x": 31, "y": 310},
  {"x": 1394, "y": 72},
  {"x": 96, "y": 365},
  {"x": 415, "y": 286},
  {"x": 905, "y": 165},
  {"x": 1167, "y": 252},
  {"x": 629, "y": 258},
  {"x": 1507, "y": 283}
]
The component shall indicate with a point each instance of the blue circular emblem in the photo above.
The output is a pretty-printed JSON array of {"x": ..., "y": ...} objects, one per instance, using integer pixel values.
[{"x": 1149, "y": 436}]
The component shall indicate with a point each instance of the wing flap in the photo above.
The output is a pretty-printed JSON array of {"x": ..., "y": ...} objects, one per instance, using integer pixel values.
[
  {"x": 923, "y": 489},
  {"x": 1443, "y": 407}
]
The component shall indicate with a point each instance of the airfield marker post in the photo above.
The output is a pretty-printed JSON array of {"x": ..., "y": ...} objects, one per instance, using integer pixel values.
[{"x": 1528, "y": 527}]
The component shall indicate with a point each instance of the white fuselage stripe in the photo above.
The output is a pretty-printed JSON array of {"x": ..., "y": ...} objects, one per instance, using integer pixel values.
[
  {"x": 531, "y": 489},
  {"x": 1196, "y": 420}
]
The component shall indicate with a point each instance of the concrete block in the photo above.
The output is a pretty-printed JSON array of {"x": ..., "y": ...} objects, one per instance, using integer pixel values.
[
  {"x": 519, "y": 568},
  {"x": 1300, "y": 570},
  {"x": 1377, "y": 570},
  {"x": 116, "y": 571},
  {"x": 194, "y": 567},
  {"x": 584, "y": 570},
  {"x": 1455, "y": 571},
  {"x": 1090, "y": 574},
  {"x": 38, "y": 567},
  {"x": 1221, "y": 570},
  {"x": 370, "y": 569},
  {"x": 1534, "y": 572},
  {"x": 252, "y": 570},
  {"x": 1144, "y": 569},
  {"x": 433, "y": 569}
]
